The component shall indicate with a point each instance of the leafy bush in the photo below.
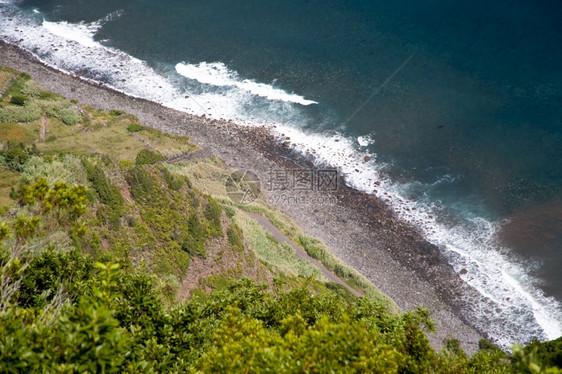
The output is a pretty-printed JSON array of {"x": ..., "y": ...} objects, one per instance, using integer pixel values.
[
  {"x": 42, "y": 278},
  {"x": 116, "y": 112},
  {"x": 148, "y": 157},
  {"x": 14, "y": 156},
  {"x": 134, "y": 127},
  {"x": 550, "y": 353},
  {"x": 18, "y": 100},
  {"x": 51, "y": 139}
]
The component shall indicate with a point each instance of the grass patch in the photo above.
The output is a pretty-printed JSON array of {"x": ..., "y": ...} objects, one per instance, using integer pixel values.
[
  {"x": 106, "y": 134},
  {"x": 317, "y": 250},
  {"x": 281, "y": 257},
  {"x": 26, "y": 113},
  {"x": 17, "y": 133}
]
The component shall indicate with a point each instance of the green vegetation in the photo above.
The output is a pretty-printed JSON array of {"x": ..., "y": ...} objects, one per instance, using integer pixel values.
[
  {"x": 134, "y": 127},
  {"x": 14, "y": 156},
  {"x": 317, "y": 250},
  {"x": 148, "y": 157},
  {"x": 18, "y": 100},
  {"x": 116, "y": 112},
  {"x": 107, "y": 192},
  {"x": 280, "y": 257},
  {"x": 27, "y": 112},
  {"x": 97, "y": 252},
  {"x": 69, "y": 117}
]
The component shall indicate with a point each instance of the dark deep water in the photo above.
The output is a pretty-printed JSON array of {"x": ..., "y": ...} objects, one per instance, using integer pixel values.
[{"x": 469, "y": 128}]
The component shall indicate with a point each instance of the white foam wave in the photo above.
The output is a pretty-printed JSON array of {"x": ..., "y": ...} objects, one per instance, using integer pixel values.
[
  {"x": 218, "y": 74},
  {"x": 82, "y": 33},
  {"x": 366, "y": 140},
  {"x": 509, "y": 299},
  {"x": 72, "y": 48}
]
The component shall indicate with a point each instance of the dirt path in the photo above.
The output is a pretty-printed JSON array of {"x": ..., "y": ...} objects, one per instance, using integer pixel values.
[
  {"x": 43, "y": 127},
  {"x": 299, "y": 252}
]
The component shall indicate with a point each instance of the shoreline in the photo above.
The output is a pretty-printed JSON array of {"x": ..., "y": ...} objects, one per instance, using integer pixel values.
[{"x": 359, "y": 229}]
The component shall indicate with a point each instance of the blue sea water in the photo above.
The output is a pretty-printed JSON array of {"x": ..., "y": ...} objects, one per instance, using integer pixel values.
[{"x": 458, "y": 104}]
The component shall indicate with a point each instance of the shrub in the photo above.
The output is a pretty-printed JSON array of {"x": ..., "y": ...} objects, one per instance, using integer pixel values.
[
  {"x": 116, "y": 112},
  {"x": 141, "y": 183},
  {"x": 53, "y": 108},
  {"x": 148, "y": 157},
  {"x": 27, "y": 113},
  {"x": 194, "y": 243},
  {"x": 134, "y": 127},
  {"x": 213, "y": 215},
  {"x": 51, "y": 139},
  {"x": 173, "y": 183},
  {"x": 65, "y": 168},
  {"x": 230, "y": 212},
  {"x": 18, "y": 100},
  {"x": 234, "y": 234},
  {"x": 548, "y": 352},
  {"x": 108, "y": 193},
  {"x": 31, "y": 89},
  {"x": 16, "y": 155},
  {"x": 69, "y": 117}
]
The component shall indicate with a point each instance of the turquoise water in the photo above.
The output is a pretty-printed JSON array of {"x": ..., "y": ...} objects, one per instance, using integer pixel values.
[{"x": 460, "y": 106}]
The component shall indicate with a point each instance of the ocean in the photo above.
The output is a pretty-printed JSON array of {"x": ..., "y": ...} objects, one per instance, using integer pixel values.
[{"x": 458, "y": 107}]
